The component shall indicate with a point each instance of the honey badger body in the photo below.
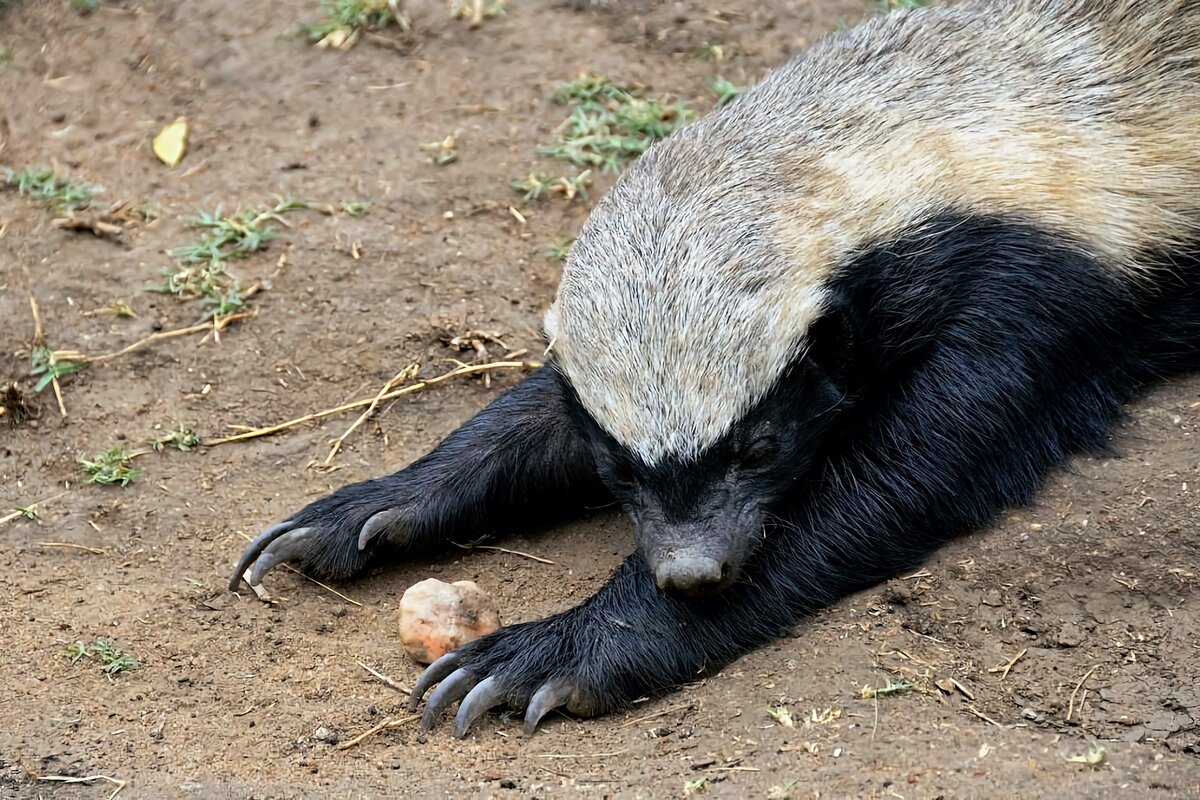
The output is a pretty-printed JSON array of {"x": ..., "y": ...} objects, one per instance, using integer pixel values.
[{"x": 820, "y": 331}]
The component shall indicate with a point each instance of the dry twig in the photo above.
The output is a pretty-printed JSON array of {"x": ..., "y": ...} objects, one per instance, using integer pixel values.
[
  {"x": 387, "y": 723},
  {"x": 1007, "y": 667},
  {"x": 656, "y": 714},
  {"x": 399, "y": 687},
  {"x": 214, "y": 326},
  {"x": 89, "y": 779},
  {"x": 40, "y": 341},
  {"x": 408, "y": 372},
  {"x": 21, "y": 512},
  {"x": 93, "y": 550},
  {"x": 412, "y": 389},
  {"x": 531, "y": 557},
  {"x": 1078, "y": 686}
]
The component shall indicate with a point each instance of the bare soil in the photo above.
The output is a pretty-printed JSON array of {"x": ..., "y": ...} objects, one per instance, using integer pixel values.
[{"x": 1095, "y": 587}]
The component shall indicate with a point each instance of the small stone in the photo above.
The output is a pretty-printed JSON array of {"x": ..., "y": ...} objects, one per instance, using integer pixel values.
[
  {"x": 437, "y": 617},
  {"x": 323, "y": 734}
]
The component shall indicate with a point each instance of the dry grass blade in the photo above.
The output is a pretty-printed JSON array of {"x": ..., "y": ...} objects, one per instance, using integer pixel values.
[
  {"x": 39, "y": 341},
  {"x": 259, "y": 591},
  {"x": 656, "y": 714},
  {"x": 400, "y": 377},
  {"x": 414, "y": 388},
  {"x": 329, "y": 589},
  {"x": 584, "y": 755},
  {"x": 27, "y": 510},
  {"x": 216, "y": 324},
  {"x": 399, "y": 687},
  {"x": 93, "y": 550},
  {"x": 1078, "y": 686},
  {"x": 387, "y": 723},
  {"x": 982, "y": 716},
  {"x": 531, "y": 557},
  {"x": 89, "y": 779},
  {"x": 1008, "y": 667}
]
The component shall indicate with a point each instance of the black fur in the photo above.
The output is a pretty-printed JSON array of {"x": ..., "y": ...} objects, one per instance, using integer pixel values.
[
  {"x": 519, "y": 463},
  {"x": 954, "y": 369}
]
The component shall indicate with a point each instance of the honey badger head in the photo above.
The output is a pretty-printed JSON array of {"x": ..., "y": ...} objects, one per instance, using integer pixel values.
[{"x": 670, "y": 328}]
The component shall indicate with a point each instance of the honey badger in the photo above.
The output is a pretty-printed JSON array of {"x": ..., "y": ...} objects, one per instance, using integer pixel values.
[{"x": 818, "y": 332}]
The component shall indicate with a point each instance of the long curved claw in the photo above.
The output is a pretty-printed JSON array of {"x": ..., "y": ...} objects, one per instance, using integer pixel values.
[
  {"x": 288, "y": 546},
  {"x": 449, "y": 691},
  {"x": 255, "y": 549},
  {"x": 549, "y": 697},
  {"x": 376, "y": 525},
  {"x": 482, "y": 699},
  {"x": 433, "y": 673}
]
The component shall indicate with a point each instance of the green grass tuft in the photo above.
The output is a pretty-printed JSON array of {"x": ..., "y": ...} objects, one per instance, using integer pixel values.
[
  {"x": 201, "y": 269},
  {"x": 725, "y": 91},
  {"x": 343, "y": 19},
  {"x": 611, "y": 124},
  {"x": 110, "y": 467},
  {"x": 44, "y": 187},
  {"x": 109, "y": 659},
  {"x": 182, "y": 438},
  {"x": 48, "y": 365}
]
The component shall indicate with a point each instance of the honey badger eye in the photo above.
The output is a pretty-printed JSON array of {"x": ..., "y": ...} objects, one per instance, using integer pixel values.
[{"x": 760, "y": 452}]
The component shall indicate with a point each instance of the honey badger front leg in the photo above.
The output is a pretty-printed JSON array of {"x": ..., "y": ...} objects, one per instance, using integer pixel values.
[
  {"x": 962, "y": 434},
  {"x": 519, "y": 461}
]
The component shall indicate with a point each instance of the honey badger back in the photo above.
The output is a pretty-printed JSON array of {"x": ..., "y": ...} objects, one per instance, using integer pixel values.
[{"x": 806, "y": 339}]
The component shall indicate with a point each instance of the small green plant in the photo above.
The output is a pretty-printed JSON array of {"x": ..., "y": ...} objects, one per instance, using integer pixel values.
[
  {"x": 85, "y": 6},
  {"x": 44, "y": 187},
  {"x": 559, "y": 250},
  {"x": 111, "y": 467},
  {"x": 713, "y": 52},
  {"x": 725, "y": 91},
  {"x": 887, "y": 690},
  {"x": 200, "y": 271},
  {"x": 182, "y": 438},
  {"x": 49, "y": 365},
  {"x": 26, "y": 512},
  {"x": 109, "y": 659},
  {"x": 119, "y": 307},
  {"x": 6, "y": 51},
  {"x": 610, "y": 124},
  {"x": 534, "y": 186},
  {"x": 342, "y": 22},
  {"x": 444, "y": 151},
  {"x": 356, "y": 208}
]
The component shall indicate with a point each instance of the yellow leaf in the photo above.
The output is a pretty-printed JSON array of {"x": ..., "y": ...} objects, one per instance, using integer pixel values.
[{"x": 171, "y": 142}]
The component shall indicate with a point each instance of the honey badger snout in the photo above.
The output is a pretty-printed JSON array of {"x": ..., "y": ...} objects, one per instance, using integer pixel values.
[
  {"x": 696, "y": 575},
  {"x": 695, "y": 558}
]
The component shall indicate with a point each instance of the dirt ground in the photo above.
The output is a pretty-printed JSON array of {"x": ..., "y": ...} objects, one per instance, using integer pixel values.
[{"x": 1095, "y": 588}]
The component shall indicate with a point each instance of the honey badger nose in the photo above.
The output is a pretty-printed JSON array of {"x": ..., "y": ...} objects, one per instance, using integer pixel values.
[{"x": 691, "y": 575}]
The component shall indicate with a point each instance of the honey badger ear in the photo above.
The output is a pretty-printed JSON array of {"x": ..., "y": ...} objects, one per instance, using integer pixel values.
[{"x": 834, "y": 342}]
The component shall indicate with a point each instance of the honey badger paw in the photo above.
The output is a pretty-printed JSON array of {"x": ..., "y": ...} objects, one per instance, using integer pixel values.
[
  {"x": 535, "y": 667},
  {"x": 333, "y": 537}
]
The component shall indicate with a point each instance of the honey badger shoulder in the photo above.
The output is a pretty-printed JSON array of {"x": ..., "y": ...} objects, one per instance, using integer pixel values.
[{"x": 809, "y": 337}]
